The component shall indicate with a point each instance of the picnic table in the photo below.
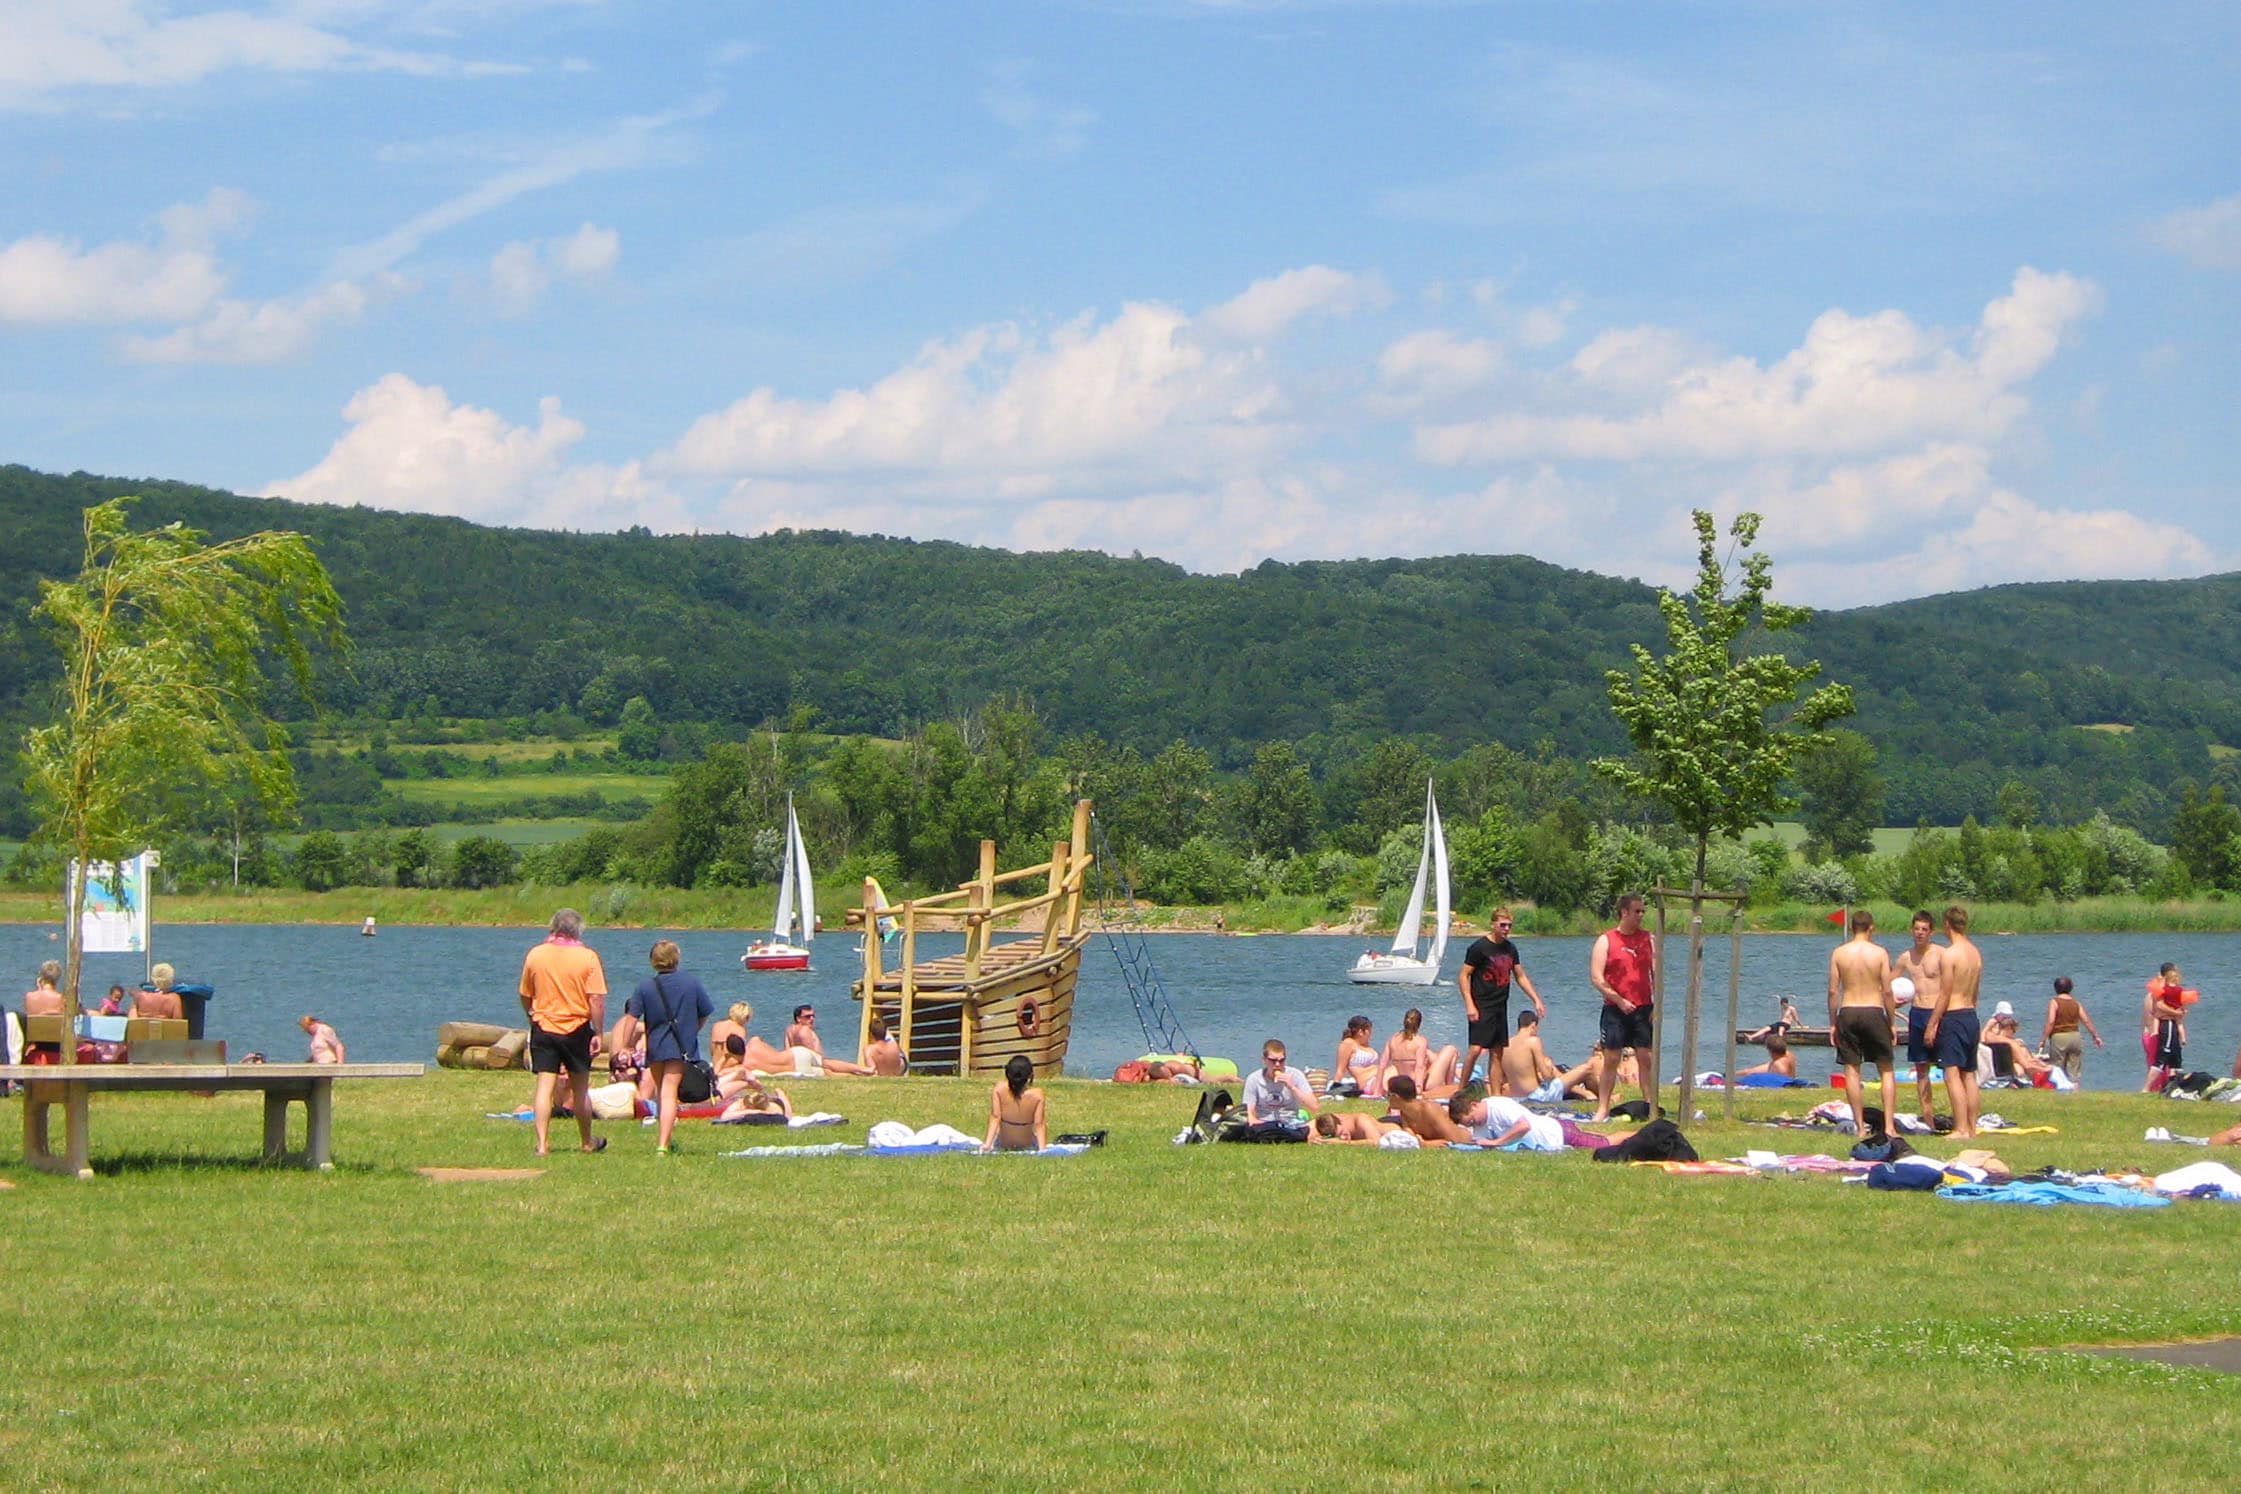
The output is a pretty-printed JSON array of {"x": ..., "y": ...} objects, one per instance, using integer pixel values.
[{"x": 72, "y": 1087}]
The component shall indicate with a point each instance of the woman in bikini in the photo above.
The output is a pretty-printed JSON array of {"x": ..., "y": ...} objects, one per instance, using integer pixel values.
[
  {"x": 1015, "y": 1112},
  {"x": 732, "y": 1025},
  {"x": 1357, "y": 1060},
  {"x": 1410, "y": 1052}
]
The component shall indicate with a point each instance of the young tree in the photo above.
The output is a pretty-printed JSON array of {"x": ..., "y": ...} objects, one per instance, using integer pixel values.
[
  {"x": 1711, "y": 742},
  {"x": 163, "y": 636}
]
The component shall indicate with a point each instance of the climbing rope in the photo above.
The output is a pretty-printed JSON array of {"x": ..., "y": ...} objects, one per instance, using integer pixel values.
[{"x": 1124, "y": 930}]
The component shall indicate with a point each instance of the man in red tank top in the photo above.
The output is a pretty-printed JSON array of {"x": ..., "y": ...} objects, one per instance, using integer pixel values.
[{"x": 1623, "y": 966}]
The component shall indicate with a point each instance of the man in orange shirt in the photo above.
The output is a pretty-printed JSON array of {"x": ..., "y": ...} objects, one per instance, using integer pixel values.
[{"x": 564, "y": 995}]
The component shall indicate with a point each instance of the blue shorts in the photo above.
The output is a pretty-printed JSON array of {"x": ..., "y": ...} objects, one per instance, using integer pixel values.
[
  {"x": 1917, "y": 1022},
  {"x": 1957, "y": 1040}
]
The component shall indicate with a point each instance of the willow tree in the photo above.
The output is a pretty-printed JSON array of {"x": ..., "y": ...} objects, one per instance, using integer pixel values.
[
  {"x": 164, "y": 640},
  {"x": 1715, "y": 728}
]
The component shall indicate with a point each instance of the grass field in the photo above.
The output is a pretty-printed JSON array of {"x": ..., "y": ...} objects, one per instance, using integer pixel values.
[
  {"x": 1193, "y": 1317},
  {"x": 467, "y": 794}
]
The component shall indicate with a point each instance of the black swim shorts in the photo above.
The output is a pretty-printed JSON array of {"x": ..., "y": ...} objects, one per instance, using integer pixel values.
[
  {"x": 552, "y": 1052},
  {"x": 2168, "y": 1053},
  {"x": 1863, "y": 1036},
  {"x": 1627, "y": 1029},
  {"x": 1491, "y": 1030},
  {"x": 1917, "y": 1023},
  {"x": 1957, "y": 1039}
]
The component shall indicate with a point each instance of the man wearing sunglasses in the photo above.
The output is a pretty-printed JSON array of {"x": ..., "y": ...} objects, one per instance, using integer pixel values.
[
  {"x": 1489, "y": 967},
  {"x": 1277, "y": 1099}
]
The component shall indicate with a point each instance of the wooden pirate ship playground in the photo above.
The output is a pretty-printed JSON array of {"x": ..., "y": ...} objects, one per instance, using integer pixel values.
[{"x": 972, "y": 1012}]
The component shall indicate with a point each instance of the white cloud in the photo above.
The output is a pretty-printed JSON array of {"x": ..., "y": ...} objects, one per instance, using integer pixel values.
[
  {"x": 1266, "y": 308},
  {"x": 48, "y": 280},
  {"x": 52, "y": 48},
  {"x": 1139, "y": 392},
  {"x": 1856, "y": 385},
  {"x": 2208, "y": 237},
  {"x": 410, "y": 447},
  {"x": 626, "y": 143},
  {"x": 1437, "y": 362},
  {"x": 1045, "y": 130},
  {"x": 522, "y": 271},
  {"x": 271, "y": 331},
  {"x": 2008, "y": 538}
]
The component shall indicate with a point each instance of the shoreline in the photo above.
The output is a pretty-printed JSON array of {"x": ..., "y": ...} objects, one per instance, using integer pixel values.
[{"x": 680, "y": 908}]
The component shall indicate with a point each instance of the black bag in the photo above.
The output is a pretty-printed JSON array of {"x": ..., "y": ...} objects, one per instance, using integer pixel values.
[
  {"x": 1633, "y": 1110},
  {"x": 1880, "y": 1148},
  {"x": 697, "y": 1086},
  {"x": 1659, "y": 1141}
]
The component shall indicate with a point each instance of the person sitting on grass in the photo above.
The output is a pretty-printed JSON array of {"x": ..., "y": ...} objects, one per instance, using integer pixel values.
[
  {"x": 1015, "y": 1111},
  {"x": 1431, "y": 1122},
  {"x": 1356, "y": 1062},
  {"x": 885, "y": 1056},
  {"x": 1528, "y": 1072},
  {"x": 1408, "y": 1053},
  {"x": 1333, "y": 1125},
  {"x": 1494, "y": 1120},
  {"x": 1779, "y": 1059},
  {"x": 722, "y": 1054},
  {"x": 1277, "y": 1098},
  {"x": 2004, "y": 1052}
]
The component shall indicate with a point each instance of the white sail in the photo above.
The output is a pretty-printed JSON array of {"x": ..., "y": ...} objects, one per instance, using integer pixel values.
[
  {"x": 799, "y": 850},
  {"x": 1438, "y": 842},
  {"x": 783, "y": 923},
  {"x": 1412, "y": 920}
]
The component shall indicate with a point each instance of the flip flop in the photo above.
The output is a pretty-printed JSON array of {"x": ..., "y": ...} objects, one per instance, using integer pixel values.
[{"x": 598, "y": 1144}]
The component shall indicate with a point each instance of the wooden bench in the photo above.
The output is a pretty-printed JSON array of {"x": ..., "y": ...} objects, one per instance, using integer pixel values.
[{"x": 72, "y": 1086}]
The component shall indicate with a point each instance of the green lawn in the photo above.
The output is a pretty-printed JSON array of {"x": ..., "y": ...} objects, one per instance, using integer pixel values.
[
  {"x": 1146, "y": 1314},
  {"x": 468, "y": 793},
  {"x": 1888, "y": 838}
]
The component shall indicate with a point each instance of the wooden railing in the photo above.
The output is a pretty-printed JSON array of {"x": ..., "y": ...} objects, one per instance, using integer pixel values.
[{"x": 974, "y": 903}]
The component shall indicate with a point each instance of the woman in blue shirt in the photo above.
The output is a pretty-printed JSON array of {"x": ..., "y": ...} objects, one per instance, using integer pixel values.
[{"x": 669, "y": 1009}]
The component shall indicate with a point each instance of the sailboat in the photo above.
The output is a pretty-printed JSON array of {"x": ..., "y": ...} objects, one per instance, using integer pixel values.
[
  {"x": 778, "y": 952},
  {"x": 1400, "y": 965}
]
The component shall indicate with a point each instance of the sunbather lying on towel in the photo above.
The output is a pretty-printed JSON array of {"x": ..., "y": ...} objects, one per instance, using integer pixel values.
[
  {"x": 1427, "y": 1118},
  {"x": 1331, "y": 1125}
]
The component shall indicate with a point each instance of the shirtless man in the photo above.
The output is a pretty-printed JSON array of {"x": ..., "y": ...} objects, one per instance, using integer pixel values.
[
  {"x": 1779, "y": 1060},
  {"x": 162, "y": 1001},
  {"x": 1333, "y": 1125},
  {"x": 1924, "y": 964},
  {"x": 325, "y": 1046},
  {"x": 802, "y": 1033},
  {"x": 1528, "y": 1073},
  {"x": 1861, "y": 1017},
  {"x": 1954, "y": 1026},
  {"x": 44, "y": 999},
  {"x": 885, "y": 1055},
  {"x": 1428, "y": 1120}
]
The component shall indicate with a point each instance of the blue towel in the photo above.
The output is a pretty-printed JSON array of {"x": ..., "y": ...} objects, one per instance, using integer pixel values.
[
  {"x": 1770, "y": 1081},
  {"x": 2111, "y": 1195}
]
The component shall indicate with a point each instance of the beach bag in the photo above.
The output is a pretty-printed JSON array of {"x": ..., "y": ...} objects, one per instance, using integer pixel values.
[
  {"x": 1659, "y": 1141},
  {"x": 1881, "y": 1149},
  {"x": 1633, "y": 1110},
  {"x": 697, "y": 1085}
]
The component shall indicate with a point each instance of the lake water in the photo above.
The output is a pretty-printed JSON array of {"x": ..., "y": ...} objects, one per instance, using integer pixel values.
[{"x": 386, "y": 995}]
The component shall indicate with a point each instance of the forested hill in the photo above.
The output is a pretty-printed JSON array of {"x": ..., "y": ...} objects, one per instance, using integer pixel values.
[{"x": 1959, "y": 692}]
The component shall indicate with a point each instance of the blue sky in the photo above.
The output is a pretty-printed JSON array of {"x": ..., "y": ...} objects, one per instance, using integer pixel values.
[{"x": 1948, "y": 292}]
